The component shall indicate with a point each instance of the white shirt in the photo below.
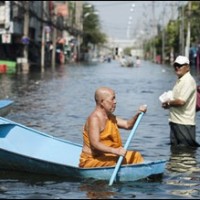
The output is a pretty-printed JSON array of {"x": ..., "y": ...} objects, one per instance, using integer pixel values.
[{"x": 184, "y": 89}]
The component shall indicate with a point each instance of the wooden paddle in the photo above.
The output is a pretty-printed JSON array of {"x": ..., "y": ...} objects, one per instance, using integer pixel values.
[{"x": 125, "y": 147}]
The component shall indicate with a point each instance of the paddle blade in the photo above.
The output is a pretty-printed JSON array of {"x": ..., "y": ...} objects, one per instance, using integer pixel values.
[{"x": 115, "y": 170}]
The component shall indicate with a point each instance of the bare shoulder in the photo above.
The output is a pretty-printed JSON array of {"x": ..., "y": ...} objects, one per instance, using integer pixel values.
[
  {"x": 96, "y": 119},
  {"x": 92, "y": 118}
]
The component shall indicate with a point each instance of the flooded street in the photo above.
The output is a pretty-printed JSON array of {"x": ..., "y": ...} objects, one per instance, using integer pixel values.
[{"x": 58, "y": 102}]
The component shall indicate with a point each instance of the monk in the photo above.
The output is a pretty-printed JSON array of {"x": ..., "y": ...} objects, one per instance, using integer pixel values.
[{"x": 102, "y": 144}]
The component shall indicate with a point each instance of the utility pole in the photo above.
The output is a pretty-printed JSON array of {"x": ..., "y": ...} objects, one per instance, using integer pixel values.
[
  {"x": 163, "y": 37},
  {"x": 79, "y": 25},
  {"x": 163, "y": 45},
  {"x": 43, "y": 37},
  {"x": 181, "y": 33},
  {"x": 187, "y": 48},
  {"x": 26, "y": 34},
  {"x": 53, "y": 61},
  {"x": 154, "y": 30}
]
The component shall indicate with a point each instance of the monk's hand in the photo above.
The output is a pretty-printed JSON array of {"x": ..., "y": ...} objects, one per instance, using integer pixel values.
[
  {"x": 142, "y": 108},
  {"x": 121, "y": 151}
]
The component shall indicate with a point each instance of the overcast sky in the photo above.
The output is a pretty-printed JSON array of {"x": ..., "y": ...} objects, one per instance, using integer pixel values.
[{"x": 129, "y": 19}]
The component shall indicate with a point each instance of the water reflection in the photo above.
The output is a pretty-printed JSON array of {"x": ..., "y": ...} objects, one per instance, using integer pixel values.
[
  {"x": 58, "y": 102},
  {"x": 185, "y": 177},
  {"x": 183, "y": 159},
  {"x": 97, "y": 190}
]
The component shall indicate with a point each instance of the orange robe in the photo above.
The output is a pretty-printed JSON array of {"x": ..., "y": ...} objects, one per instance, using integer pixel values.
[{"x": 110, "y": 136}]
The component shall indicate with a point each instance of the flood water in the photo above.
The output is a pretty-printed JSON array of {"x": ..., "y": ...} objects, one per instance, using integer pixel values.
[{"x": 58, "y": 101}]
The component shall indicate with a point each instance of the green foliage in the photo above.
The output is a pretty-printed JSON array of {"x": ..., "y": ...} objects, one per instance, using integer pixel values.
[
  {"x": 127, "y": 51},
  {"x": 172, "y": 30},
  {"x": 194, "y": 19},
  {"x": 91, "y": 27}
]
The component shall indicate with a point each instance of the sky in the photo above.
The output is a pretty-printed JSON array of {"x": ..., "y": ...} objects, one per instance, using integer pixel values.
[{"x": 134, "y": 19}]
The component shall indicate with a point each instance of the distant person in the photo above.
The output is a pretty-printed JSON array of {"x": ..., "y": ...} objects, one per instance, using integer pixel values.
[
  {"x": 109, "y": 59},
  {"x": 102, "y": 144},
  {"x": 138, "y": 61},
  {"x": 123, "y": 61},
  {"x": 182, "y": 106}
]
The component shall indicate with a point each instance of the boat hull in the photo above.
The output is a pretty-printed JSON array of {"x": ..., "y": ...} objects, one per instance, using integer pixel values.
[
  {"x": 5, "y": 107},
  {"x": 28, "y": 150},
  {"x": 11, "y": 161}
]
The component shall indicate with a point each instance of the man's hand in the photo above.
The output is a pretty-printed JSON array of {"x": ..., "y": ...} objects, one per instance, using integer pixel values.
[{"x": 166, "y": 105}]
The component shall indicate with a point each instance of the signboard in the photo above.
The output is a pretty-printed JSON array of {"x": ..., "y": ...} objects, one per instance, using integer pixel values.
[
  {"x": 6, "y": 38},
  {"x": 9, "y": 30},
  {"x": 2, "y": 14},
  {"x": 62, "y": 10}
]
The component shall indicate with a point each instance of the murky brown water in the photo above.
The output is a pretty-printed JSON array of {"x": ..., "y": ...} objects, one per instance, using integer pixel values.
[{"x": 58, "y": 103}]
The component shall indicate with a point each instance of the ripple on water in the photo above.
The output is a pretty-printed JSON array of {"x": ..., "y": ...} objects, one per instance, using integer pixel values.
[{"x": 58, "y": 103}]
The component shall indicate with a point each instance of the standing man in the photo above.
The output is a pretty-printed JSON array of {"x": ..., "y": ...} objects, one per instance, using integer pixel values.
[
  {"x": 102, "y": 144},
  {"x": 182, "y": 107}
]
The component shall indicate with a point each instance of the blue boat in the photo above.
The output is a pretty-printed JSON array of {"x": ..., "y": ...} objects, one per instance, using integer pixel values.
[
  {"x": 5, "y": 107},
  {"x": 25, "y": 149}
]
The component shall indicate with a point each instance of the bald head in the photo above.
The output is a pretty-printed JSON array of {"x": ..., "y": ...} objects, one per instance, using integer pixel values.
[{"x": 102, "y": 93}]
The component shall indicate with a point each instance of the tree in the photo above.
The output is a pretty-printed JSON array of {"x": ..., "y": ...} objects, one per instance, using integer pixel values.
[
  {"x": 175, "y": 32},
  {"x": 91, "y": 27}
]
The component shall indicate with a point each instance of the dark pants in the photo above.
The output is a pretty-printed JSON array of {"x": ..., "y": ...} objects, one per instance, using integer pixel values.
[{"x": 183, "y": 135}]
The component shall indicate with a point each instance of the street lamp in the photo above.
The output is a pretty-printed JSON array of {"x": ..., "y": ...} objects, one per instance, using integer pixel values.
[
  {"x": 88, "y": 5},
  {"x": 132, "y": 8},
  {"x": 130, "y": 21},
  {"x": 90, "y": 13}
]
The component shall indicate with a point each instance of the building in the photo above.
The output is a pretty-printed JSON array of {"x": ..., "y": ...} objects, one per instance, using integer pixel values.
[
  {"x": 19, "y": 29},
  {"x": 29, "y": 28},
  {"x": 120, "y": 45}
]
